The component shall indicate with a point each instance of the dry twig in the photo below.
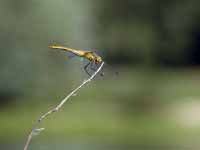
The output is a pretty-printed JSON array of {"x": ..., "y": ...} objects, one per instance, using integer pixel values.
[{"x": 35, "y": 130}]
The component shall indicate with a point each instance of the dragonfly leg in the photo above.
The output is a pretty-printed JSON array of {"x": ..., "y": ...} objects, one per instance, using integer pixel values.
[
  {"x": 86, "y": 67},
  {"x": 94, "y": 67}
]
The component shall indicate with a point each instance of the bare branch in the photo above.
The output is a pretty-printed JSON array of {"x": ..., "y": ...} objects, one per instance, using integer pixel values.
[{"x": 36, "y": 131}]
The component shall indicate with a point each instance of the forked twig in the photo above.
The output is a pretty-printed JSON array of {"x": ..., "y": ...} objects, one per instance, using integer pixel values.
[{"x": 36, "y": 131}]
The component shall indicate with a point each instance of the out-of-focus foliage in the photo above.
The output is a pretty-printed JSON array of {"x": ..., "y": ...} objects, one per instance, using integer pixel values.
[
  {"x": 27, "y": 28},
  {"x": 154, "y": 45},
  {"x": 127, "y": 31},
  {"x": 152, "y": 31}
]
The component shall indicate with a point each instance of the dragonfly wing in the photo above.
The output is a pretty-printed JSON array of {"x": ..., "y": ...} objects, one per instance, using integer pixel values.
[
  {"x": 86, "y": 68},
  {"x": 71, "y": 55},
  {"x": 93, "y": 67}
]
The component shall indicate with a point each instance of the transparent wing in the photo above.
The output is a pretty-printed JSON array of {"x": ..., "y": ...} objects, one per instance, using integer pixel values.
[
  {"x": 71, "y": 55},
  {"x": 106, "y": 70}
]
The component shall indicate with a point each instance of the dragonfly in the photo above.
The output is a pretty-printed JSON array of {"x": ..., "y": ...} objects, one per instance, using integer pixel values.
[{"x": 95, "y": 60}]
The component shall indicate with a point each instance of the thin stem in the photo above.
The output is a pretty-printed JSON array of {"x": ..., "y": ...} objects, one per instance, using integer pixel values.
[
  {"x": 28, "y": 140},
  {"x": 55, "y": 109}
]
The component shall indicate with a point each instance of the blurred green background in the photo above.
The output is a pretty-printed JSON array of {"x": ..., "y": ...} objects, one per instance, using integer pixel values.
[{"x": 154, "y": 102}]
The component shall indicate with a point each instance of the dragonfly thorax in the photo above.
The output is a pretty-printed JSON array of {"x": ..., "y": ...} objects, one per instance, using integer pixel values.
[{"x": 93, "y": 57}]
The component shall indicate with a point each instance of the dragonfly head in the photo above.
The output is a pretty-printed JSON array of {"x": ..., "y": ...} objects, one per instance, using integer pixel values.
[{"x": 98, "y": 60}]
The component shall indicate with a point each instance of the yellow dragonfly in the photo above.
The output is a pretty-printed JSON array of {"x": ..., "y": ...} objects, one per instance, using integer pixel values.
[{"x": 94, "y": 59}]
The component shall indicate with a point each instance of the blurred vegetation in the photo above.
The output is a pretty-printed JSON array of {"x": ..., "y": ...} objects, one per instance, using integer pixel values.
[{"x": 153, "y": 44}]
